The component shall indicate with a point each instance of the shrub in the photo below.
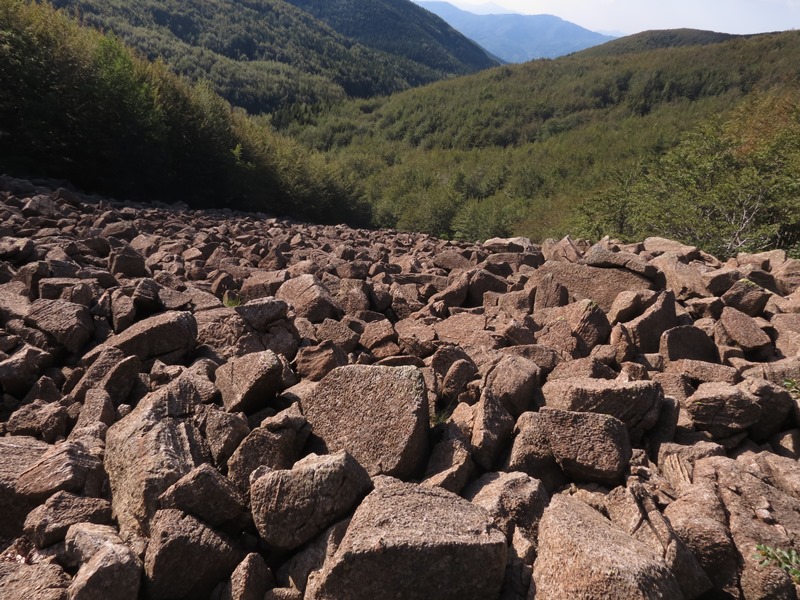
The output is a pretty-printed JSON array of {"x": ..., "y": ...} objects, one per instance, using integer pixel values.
[{"x": 787, "y": 560}]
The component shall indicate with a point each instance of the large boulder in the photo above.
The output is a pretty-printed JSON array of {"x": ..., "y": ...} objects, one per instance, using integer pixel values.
[
  {"x": 722, "y": 409},
  {"x": 70, "y": 466},
  {"x": 582, "y": 554},
  {"x": 108, "y": 567},
  {"x": 291, "y": 507},
  {"x": 146, "y": 452},
  {"x": 598, "y": 284},
  {"x": 249, "y": 382},
  {"x": 69, "y": 324},
  {"x": 48, "y": 523},
  {"x": 43, "y": 581},
  {"x": 276, "y": 444},
  {"x": 412, "y": 542},
  {"x": 516, "y": 502},
  {"x": 635, "y": 403},
  {"x": 185, "y": 558},
  {"x": 589, "y": 447},
  {"x": 17, "y": 455},
  {"x": 167, "y": 337},
  {"x": 309, "y": 298},
  {"x": 378, "y": 414},
  {"x": 206, "y": 494},
  {"x": 227, "y": 333}
]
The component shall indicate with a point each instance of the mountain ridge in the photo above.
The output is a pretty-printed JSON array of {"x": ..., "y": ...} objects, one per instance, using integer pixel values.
[
  {"x": 515, "y": 37},
  {"x": 409, "y": 21},
  {"x": 267, "y": 56}
]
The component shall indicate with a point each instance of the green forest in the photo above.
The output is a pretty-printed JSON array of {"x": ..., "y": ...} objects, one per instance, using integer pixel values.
[
  {"x": 682, "y": 133},
  {"x": 269, "y": 56},
  {"x": 78, "y": 105},
  {"x": 528, "y": 149}
]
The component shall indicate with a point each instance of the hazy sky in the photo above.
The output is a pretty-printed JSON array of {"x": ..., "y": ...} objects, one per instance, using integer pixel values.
[{"x": 631, "y": 16}]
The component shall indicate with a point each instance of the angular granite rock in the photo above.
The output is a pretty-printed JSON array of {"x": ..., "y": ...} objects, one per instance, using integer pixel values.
[
  {"x": 378, "y": 414},
  {"x": 415, "y": 543},
  {"x": 582, "y": 554},
  {"x": 291, "y": 507}
]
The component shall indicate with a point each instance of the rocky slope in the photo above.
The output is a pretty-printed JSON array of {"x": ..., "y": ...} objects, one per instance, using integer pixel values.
[{"x": 211, "y": 404}]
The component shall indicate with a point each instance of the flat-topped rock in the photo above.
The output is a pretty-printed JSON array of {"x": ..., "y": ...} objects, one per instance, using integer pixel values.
[
  {"x": 378, "y": 414},
  {"x": 414, "y": 543}
]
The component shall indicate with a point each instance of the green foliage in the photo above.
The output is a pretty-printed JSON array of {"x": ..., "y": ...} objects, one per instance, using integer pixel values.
[
  {"x": 787, "y": 560},
  {"x": 231, "y": 299},
  {"x": 655, "y": 40},
  {"x": 727, "y": 187},
  {"x": 793, "y": 387},
  {"x": 401, "y": 28},
  {"x": 518, "y": 148},
  {"x": 442, "y": 415},
  {"x": 268, "y": 56},
  {"x": 78, "y": 105}
]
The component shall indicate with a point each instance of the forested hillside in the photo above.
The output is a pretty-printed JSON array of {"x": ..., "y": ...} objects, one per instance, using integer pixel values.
[
  {"x": 516, "y": 148},
  {"x": 656, "y": 40},
  {"x": 78, "y": 105},
  {"x": 401, "y": 28},
  {"x": 688, "y": 134},
  {"x": 268, "y": 56}
]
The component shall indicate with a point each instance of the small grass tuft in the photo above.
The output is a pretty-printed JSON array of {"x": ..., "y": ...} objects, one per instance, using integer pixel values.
[
  {"x": 442, "y": 415},
  {"x": 231, "y": 299}
]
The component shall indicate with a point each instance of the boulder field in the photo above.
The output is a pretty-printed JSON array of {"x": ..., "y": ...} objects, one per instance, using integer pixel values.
[{"x": 211, "y": 404}]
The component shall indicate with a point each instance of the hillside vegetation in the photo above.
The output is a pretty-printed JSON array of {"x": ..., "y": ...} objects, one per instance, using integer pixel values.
[
  {"x": 515, "y": 149},
  {"x": 269, "y": 56},
  {"x": 728, "y": 187},
  {"x": 401, "y": 28},
  {"x": 78, "y": 105}
]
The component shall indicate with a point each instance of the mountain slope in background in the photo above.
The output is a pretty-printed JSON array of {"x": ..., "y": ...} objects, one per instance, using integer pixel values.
[
  {"x": 518, "y": 38},
  {"x": 402, "y": 28},
  {"x": 512, "y": 150},
  {"x": 268, "y": 56},
  {"x": 659, "y": 39}
]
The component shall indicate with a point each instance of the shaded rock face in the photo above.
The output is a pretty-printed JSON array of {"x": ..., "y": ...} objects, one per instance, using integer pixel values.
[
  {"x": 214, "y": 404},
  {"x": 180, "y": 544}
]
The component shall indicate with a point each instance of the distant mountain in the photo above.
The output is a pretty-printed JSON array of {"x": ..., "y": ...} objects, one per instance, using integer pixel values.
[
  {"x": 401, "y": 28},
  {"x": 518, "y": 38}
]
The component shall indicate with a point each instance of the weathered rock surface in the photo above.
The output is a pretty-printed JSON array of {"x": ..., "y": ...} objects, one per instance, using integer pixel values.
[
  {"x": 582, "y": 554},
  {"x": 17, "y": 455},
  {"x": 146, "y": 452},
  {"x": 191, "y": 399},
  {"x": 186, "y": 559},
  {"x": 636, "y": 403},
  {"x": 291, "y": 507},
  {"x": 249, "y": 383},
  {"x": 589, "y": 447},
  {"x": 378, "y": 414},
  {"x": 401, "y": 540},
  {"x": 48, "y": 523}
]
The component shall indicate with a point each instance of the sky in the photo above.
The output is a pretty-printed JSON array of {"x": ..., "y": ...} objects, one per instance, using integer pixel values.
[{"x": 632, "y": 16}]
